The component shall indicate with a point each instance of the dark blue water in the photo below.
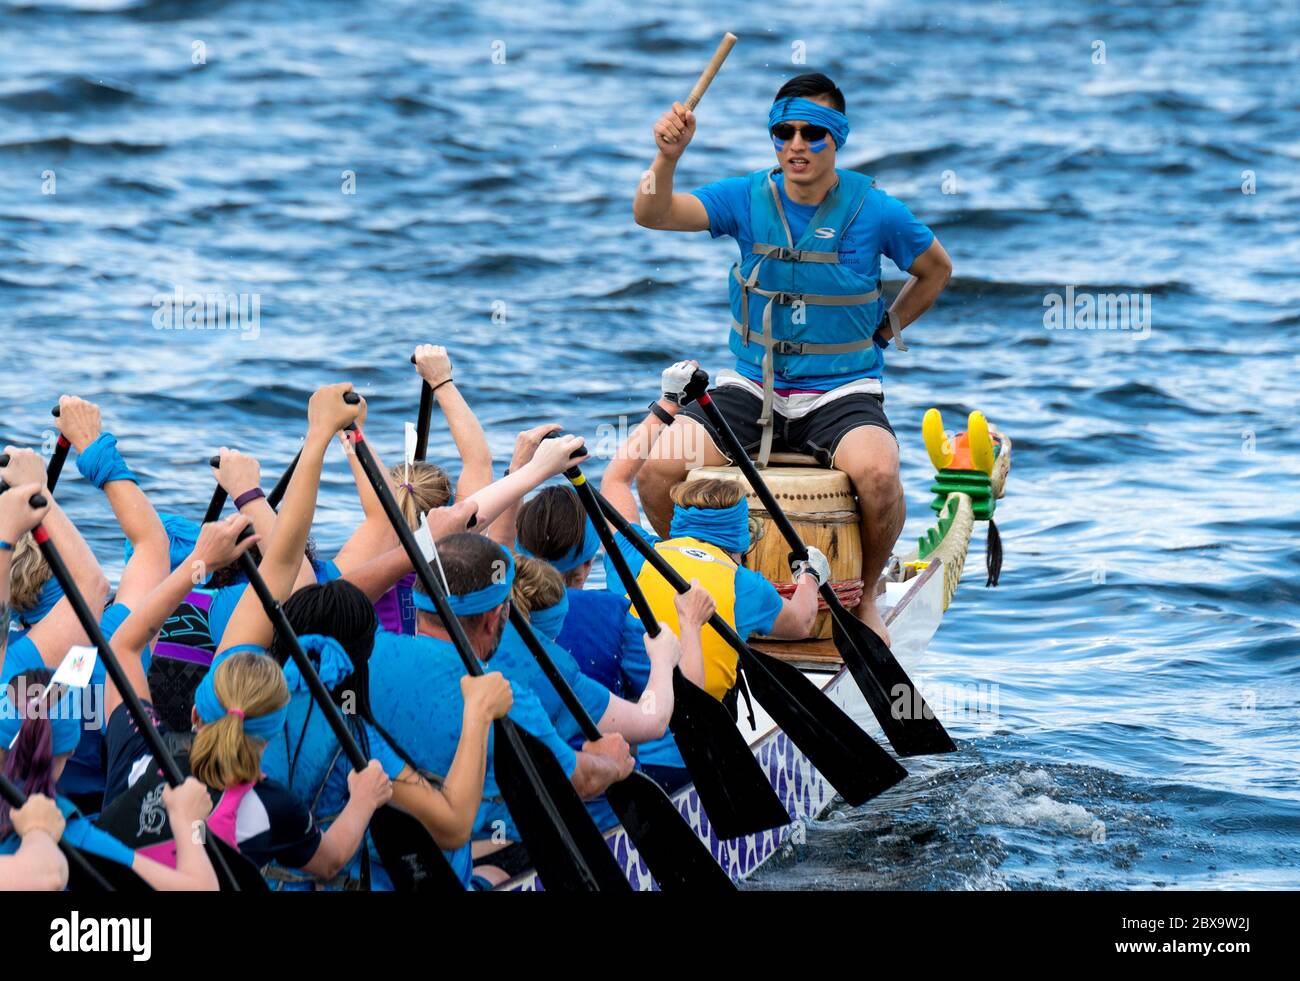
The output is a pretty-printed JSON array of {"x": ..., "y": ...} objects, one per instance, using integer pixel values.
[{"x": 1146, "y": 726}]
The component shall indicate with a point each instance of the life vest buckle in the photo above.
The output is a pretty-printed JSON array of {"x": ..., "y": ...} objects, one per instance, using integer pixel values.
[
  {"x": 786, "y": 254},
  {"x": 787, "y": 347},
  {"x": 787, "y": 299}
]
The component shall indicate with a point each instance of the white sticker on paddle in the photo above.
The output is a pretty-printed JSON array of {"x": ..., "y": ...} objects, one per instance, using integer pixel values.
[
  {"x": 424, "y": 538},
  {"x": 412, "y": 437},
  {"x": 77, "y": 667}
]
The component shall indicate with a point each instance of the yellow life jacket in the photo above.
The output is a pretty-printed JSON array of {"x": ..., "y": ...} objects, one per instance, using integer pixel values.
[{"x": 716, "y": 572}]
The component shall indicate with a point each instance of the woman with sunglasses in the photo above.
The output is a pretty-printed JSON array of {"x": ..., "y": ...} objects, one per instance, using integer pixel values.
[{"x": 809, "y": 321}]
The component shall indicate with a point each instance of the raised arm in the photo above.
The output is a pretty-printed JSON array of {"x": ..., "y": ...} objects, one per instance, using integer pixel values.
[
  {"x": 434, "y": 366},
  {"x": 380, "y": 574},
  {"x": 238, "y": 474},
  {"x": 620, "y": 475},
  {"x": 216, "y": 548},
  {"x": 101, "y": 464},
  {"x": 327, "y": 413},
  {"x": 60, "y": 628},
  {"x": 655, "y": 205},
  {"x": 552, "y": 458},
  {"x": 374, "y": 535},
  {"x": 503, "y": 529}
]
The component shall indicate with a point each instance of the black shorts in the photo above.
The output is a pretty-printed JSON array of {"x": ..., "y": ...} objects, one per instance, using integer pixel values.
[{"x": 817, "y": 434}]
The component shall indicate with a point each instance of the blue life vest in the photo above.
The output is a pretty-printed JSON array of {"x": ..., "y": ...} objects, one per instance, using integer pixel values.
[
  {"x": 796, "y": 310},
  {"x": 593, "y": 634}
]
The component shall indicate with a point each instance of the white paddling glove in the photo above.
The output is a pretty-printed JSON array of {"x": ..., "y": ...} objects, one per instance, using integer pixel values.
[
  {"x": 673, "y": 381},
  {"x": 816, "y": 565}
]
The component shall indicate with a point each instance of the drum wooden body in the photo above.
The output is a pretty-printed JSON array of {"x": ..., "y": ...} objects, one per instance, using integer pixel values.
[{"x": 821, "y": 506}]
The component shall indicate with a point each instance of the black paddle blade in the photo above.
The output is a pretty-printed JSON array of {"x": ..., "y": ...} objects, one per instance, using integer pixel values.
[
  {"x": 411, "y": 857},
  {"x": 909, "y": 724},
  {"x": 854, "y": 763},
  {"x": 98, "y": 872},
  {"x": 672, "y": 851},
  {"x": 243, "y": 873},
  {"x": 569, "y": 853},
  {"x": 733, "y": 789}
]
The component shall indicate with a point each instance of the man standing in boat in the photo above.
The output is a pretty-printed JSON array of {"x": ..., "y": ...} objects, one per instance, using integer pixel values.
[{"x": 809, "y": 322}]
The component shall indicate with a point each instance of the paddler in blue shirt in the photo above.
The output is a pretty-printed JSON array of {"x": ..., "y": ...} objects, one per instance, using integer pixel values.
[
  {"x": 809, "y": 322},
  {"x": 416, "y": 685}
]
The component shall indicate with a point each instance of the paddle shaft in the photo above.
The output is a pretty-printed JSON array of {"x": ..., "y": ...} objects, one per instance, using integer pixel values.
[
  {"x": 58, "y": 457},
  {"x": 588, "y": 498},
  {"x": 715, "y": 63},
  {"x": 505, "y": 727},
  {"x": 16, "y": 799}
]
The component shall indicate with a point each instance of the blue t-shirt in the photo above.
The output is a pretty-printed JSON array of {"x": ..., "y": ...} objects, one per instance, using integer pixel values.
[
  {"x": 884, "y": 226},
  {"x": 225, "y": 599},
  {"x": 758, "y": 604},
  {"x": 516, "y": 662},
  {"x": 415, "y": 694},
  {"x": 307, "y": 758}
]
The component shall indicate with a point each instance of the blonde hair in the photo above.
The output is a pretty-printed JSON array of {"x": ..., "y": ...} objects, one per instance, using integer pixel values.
[
  {"x": 711, "y": 492},
  {"x": 538, "y": 585},
  {"x": 426, "y": 487},
  {"x": 28, "y": 574},
  {"x": 222, "y": 755}
]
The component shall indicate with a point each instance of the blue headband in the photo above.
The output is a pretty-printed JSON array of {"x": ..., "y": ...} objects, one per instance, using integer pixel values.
[
  {"x": 784, "y": 110},
  {"x": 333, "y": 663},
  {"x": 211, "y": 709},
  {"x": 182, "y": 536},
  {"x": 50, "y": 594},
  {"x": 100, "y": 462},
  {"x": 583, "y": 551},
  {"x": 479, "y": 601},
  {"x": 728, "y": 528},
  {"x": 65, "y": 722},
  {"x": 548, "y": 622}
]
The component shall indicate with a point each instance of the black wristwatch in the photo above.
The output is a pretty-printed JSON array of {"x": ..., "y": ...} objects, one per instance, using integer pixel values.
[{"x": 662, "y": 414}]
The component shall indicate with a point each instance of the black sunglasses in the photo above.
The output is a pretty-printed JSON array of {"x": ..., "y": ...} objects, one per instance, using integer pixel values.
[{"x": 785, "y": 132}]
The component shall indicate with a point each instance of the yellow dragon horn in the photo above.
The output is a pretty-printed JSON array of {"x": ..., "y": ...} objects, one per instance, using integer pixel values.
[
  {"x": 981, "y": 443},
  {"x": 936, "y": 442}
]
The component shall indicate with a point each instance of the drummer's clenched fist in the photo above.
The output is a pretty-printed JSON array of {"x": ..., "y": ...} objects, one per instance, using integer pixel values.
[{"x": 674, "y": 130}]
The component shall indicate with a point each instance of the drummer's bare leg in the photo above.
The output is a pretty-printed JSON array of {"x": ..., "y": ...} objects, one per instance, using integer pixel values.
[
  {"x": 682, "y": 446},
  {"x": 869, "y": 456}
]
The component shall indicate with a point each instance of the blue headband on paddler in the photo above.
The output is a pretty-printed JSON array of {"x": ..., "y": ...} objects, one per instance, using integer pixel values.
[
  {"x": 728, "y": 528},
  {"x": 50, "y": 594},
  {"x": 64, "y": 716},
  {"x": 813, "y": 113},
  {"x": 211, "y": 709},
  {"x": 583, "y": 551},
  {"x": 479, "y": 601},
  {"x": 548, "y": 622}
]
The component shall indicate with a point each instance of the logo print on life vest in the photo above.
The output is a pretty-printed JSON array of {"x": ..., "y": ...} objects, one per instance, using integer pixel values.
[
  {"x": 824, "y": 232},
  {"x": 698, "y": 553},
  {"x": 151, "y": 812}
]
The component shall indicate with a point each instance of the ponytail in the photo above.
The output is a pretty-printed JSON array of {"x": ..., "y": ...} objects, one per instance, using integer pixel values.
[
  {"x": 28, "y": 734},
  {"x": 248, "y": 687}
]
